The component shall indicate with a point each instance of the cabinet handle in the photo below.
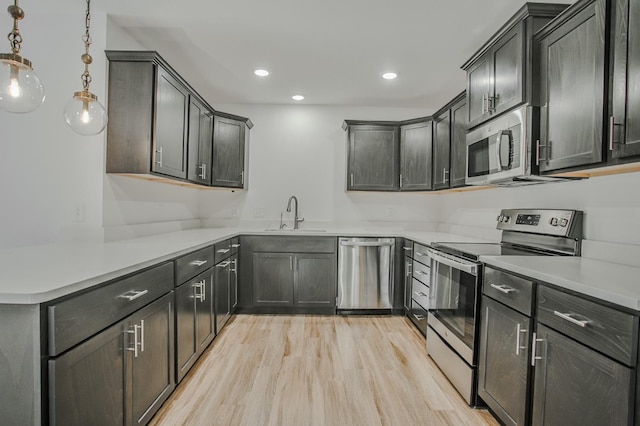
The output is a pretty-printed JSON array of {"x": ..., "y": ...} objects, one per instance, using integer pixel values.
[
  {"x": 198, "y": 262},
  {"x": 419, "y": 317},
  {"x": 491, "y": 103},
  {"x": 401, "y": 181},
  {"x": 421, "y": 254},
  {"x": 203, "y": 175},
  {"x": 519, "y": 330},
  {"x": 141, "y": 335},
  {"x": 407, "y": 248},
  {"x": 421, "y": 273},
  {"x": 242, "y": 177},
  {"x": 351, "y": 179},
  {"x": 201, "y": 296},
  {"x": 133, "y": 294},
  {"x": 136, "y": 344},
  {"x": 223, "y": 251},
  {"x": 420, "y": 294},
  {"x": 223, "y": 264},
  {"x": 159, "y": 152},
  {"x": 484, "y": 95},
  {"x": 612, "y": 131},
  {"x": 534, "y": 350},
  {"x": 546, "y": 158},
  {"x": 503, "y": 288},
  {"x": 291, "y": 263},
  {"x": 235, "y": 245},
  {"x": 568, "y": 317}
]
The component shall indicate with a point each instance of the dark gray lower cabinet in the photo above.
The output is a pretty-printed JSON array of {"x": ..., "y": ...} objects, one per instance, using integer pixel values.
[
  {"x": 194, "y": 321},
  {"x": 575, "y": 385},
  {"x": 503, "y": 365},
  {"x": 222, "y": 293},
  {"x": 272, "y": 279},
  {"x": 233, "y": 282},
  {"x": 408, "y": 278},
  {"x": 313, "y": 275},
  {"x": 120, "y": 376}
]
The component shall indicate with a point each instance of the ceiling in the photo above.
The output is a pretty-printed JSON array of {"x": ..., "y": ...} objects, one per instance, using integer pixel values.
[{"x": 331, "y": 51}]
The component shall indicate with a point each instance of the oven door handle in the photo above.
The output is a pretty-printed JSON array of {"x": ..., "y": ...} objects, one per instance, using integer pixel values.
[{"x": 468, "y": 267}]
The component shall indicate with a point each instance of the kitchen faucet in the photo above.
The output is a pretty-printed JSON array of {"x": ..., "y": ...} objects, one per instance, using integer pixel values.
[{"x": 296, "y": 219}]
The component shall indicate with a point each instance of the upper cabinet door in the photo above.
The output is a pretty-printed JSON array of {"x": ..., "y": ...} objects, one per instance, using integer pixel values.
[
  {"x": 441, "y": 150},
  {"x": 507, "y": 73},
  {"x": 624, "y": 122},
  {"x": 200, "y": 141},
  {"x": 170, "y": 135},
  {"x": 228, "y": 152},
  {"x": 415, "y": 156},
  {"x": 373, "y": 158},
  {"x": 458, "y": 172},
  {"x": 572, "y": 82},
  {"x": 479, "y": 88}
]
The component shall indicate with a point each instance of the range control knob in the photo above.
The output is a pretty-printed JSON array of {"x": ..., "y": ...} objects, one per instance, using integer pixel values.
[
  {"x": 564, "y": 223},
  {"x": 499, "y": 218},
  {"x": 554, "y": 221},
  {"x": 505, "y": 219}
]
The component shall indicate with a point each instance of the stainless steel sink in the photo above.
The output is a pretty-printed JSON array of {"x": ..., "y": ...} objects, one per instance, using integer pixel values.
[{"x": 302, "y": 231}]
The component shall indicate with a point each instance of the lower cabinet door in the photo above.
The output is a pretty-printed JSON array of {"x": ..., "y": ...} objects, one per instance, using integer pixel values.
[
  {"x": 504, "y": 361},
  {"x": 86, "y": 384},
  {"x": 152, "y": 370},
  {"x": 419, "y": 316},
  {"x": 205, "y": 314},
  {"x": 222, "y": 296},
  {"x": 233, "y": 282},
  {"x": 272, "y": 279},
  {"x": 315, "y": 280},
  {"x": 575, "y": 385},
  {"x": 408, "y": 279},
  {"x": 187, "y": 348}
]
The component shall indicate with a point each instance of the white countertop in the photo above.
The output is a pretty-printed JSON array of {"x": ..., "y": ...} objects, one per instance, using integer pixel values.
[
  {"x": 37, "y": 274},
  {"x": 611, "y": 282}
]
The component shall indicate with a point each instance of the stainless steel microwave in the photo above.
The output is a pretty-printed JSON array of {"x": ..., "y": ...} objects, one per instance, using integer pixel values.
[{"x": 499, "y": 151}]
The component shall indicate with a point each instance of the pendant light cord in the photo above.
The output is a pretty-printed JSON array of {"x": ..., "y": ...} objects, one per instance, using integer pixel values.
[
  {"x": 15, "y": 39},
  {"x": 86, "y": 58}
]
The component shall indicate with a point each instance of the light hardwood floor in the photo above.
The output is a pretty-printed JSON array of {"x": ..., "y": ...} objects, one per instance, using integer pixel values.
[{"x": 317, "y": 370}]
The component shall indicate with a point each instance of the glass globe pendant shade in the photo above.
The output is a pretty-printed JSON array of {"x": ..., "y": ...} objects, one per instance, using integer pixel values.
[
  {"x": 85, "y": 115},
  {"x": 20, "y": 88}
]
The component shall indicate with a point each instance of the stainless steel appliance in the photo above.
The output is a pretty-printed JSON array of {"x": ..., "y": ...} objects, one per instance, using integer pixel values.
[
  {"x": 456, "y": 277},
  {"x": 365, "y": 273},
  {"x": 501, "y": 151}
]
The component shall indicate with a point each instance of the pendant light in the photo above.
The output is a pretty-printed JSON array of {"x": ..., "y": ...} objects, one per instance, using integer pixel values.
[
  {"x": 20, "y": 88},
  {"x": 83, "y": 113}
]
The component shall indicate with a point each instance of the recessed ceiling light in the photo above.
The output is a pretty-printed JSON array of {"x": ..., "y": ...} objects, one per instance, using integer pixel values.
[
  {"x": 297, "y": 97},
  {"x": 261, "y": 73},
  {"x": 389, "y": 75}
]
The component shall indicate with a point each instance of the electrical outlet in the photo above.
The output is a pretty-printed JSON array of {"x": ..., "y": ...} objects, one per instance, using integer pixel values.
[
  {"x": 78, "y": 213},
  {"x": 258, "y": 212},
  {"x": 235, "y": 212}
]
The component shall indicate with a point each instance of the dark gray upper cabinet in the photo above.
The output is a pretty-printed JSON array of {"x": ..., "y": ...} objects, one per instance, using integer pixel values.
[
  {"x": 159, "y": 125},
  {"x": 458, "y": 172},
  {"x": 229, "y": 139},
  {"x": 416, "y": 156},
  {"x": 441, "y": 149},
  {"x": 572, "y": 81},
  {"x": 499, "y": 75},
  {"x": 373, "y": 157},
  {"x": 200, "y": 141},
  {"x": 624, "y": 120}
]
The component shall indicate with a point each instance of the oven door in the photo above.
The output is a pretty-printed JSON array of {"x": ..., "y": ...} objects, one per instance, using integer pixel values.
[
  {"x": 497, "y": 150},
  {"x": 453, "y": 301}
]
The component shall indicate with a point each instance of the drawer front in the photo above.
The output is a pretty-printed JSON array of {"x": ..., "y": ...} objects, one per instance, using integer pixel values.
[
  {"x": 420, "y": 254},
  {"x": 407, "y": 248},
  {"x": 421, "y": 272},
  {"x": 73, "y": 320},
  {"x": 235, "y": 245},
  {"x": 222, "y": 250},
  {"x": 301, "y": 244},
  {"x": 420, "y": 293},
  {"x": 509, "y": 289},
  {"x": 192, "y": 264},
  {"x": 418, "y": 316},
  {"x": 602, "y": 328}
]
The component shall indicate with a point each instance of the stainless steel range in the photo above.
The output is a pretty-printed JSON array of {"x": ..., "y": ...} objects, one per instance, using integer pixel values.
[{"x": 456, "y": 278}]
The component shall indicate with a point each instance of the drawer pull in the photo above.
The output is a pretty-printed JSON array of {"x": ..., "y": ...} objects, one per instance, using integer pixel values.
[
  {"x": 419, "y": 317},
  {"x": 235, "y": 245},
  {"x": 198, "y": 262},
  {"x": 223, "y": 251},
  {"x": 223, "y": 264},
  {"x": 503, "y": 288},
  {"x": 406, "y": 248},
  {"x": 420, "y": 294},
  {"x": 568, "y": 317},
  {"x": 421, "y": 273},
  {"x": 133, "y": 294},
  {"x": 421, "y": 254}
]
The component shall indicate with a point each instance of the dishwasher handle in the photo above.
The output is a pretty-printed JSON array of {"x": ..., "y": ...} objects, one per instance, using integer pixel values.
[{"x": 365, "y": 244}]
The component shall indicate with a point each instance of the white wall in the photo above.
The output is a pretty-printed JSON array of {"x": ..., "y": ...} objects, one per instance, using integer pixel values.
[
  {"x": 46, "y": 170},
  {"x": 301, "y": 150}
]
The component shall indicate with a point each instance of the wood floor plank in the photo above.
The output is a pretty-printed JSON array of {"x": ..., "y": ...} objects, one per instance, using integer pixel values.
[{"x": 320, "y": 371}]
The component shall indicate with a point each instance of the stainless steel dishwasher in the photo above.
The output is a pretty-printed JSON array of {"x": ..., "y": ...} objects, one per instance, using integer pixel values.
[{"x": 365, "y": 273}]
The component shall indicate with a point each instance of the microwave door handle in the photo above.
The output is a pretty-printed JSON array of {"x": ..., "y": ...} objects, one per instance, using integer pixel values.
[{"x": 501, "y": 134}]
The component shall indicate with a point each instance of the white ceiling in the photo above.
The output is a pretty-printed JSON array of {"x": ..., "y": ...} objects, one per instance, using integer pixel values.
[{"x": 331, "y": 51}]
